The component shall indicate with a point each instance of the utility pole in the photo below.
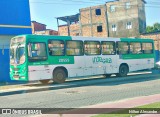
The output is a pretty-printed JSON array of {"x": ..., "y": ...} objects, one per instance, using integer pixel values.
[
  {"x": 107, "y": 22},
  {"x": 68, "y": 24}
]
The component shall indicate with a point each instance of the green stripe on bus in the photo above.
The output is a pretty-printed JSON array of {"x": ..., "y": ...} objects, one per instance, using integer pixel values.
[
  {"x": 136, "y": 40},
  {"x": 137, "y": 56}
]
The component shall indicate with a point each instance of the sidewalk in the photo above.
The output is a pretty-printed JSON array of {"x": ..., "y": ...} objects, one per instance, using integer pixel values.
[
  {"x": 127, "y": 103},
  {"x": 13, "y": 86}
]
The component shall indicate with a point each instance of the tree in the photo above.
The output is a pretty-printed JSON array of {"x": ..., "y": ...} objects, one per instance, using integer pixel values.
[
  {"x": 157, "y": 26},
  {"x": 149, "y": 29},
  {"x": 154, "y": 28}
]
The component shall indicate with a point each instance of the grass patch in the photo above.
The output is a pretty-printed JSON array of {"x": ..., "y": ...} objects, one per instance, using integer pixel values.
[{"x": 125, "y": 113}]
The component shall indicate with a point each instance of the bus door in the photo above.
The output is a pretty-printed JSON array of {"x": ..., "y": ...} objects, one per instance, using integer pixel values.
[
  {"x": 92, "y": 49},
  {"x": 74, "y": 49},
  {"x": 38, "y": 65},
  {"x": 109, "y": 57}
]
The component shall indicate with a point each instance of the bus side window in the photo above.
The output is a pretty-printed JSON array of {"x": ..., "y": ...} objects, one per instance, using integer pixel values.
[
  {"x": 147, "y": 48},
  {"x": 92, "y": 47},
  {"x": 56, "y": 47},
  {"x": 108, "y": 47},
  {"x": 135, "y": 48},
  {"x": 74, "y": 48},
  {"x": 123, "y": 48}
]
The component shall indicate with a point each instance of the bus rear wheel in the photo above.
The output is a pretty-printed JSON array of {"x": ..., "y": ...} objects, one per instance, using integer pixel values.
[
  {"x": 59, "y": 76},
  {"x": 45, "y": 81},
  {"x": 123, "y": 71}
]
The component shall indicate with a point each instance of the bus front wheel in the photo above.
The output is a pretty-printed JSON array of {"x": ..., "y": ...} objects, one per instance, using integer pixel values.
[
  {"x": 123, "y": 71},
  {"x": 59, "y": 76}
]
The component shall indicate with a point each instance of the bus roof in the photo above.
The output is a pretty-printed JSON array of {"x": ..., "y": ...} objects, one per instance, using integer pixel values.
[{"x": 82, "y": 38}]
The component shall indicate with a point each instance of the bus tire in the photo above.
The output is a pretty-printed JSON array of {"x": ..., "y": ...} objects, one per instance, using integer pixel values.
[
  {"x": 59, "y": 76},
  {"x": 107, "y": 75},
  {"x": 44, "y": 81},
  {"x": 123, "y": 71}
]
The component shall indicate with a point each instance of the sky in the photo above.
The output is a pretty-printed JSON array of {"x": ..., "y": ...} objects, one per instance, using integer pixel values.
[{"x": 46, "y": 11}]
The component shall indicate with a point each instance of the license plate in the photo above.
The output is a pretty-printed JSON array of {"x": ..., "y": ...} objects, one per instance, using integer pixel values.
[{"x": 16, "y": 77}]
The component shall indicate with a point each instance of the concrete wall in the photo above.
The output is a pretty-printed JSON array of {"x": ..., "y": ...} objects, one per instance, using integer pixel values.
[
  {"x": 14, "y": 20},
  {"x": 4, "y": 58},
  {"x": 121, "y": 16}
]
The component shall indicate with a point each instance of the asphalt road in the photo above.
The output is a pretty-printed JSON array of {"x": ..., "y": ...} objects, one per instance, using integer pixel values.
[{"x": 76, "y": 94}]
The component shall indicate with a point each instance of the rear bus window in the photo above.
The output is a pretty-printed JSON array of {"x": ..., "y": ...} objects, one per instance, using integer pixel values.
[
  {"x": 56, "y": 48},
  {"x": 147, "y": 48},
  {"x": 92, "y": 48},
  {"x": 74, "y": 48}
]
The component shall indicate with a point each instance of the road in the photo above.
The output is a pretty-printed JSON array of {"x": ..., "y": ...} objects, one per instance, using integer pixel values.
[{"x": 85, "y": 93}]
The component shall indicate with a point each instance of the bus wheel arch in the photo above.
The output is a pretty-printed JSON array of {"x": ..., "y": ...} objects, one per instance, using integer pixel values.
[
  {"x": 123, "y": 70},
  {"x": 60, "y": 74}
]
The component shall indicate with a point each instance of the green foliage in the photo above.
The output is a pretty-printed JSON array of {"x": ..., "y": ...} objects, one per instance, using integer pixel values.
[{"x": 154, "y": 28}]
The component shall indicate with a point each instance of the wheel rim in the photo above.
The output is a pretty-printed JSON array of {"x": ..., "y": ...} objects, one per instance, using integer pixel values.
[
  {"x": 123, "y": 70},
  {"x": 60, "y": 76}
]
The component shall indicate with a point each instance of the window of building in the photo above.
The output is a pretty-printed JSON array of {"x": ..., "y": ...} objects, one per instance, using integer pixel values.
[
  {"x": 99, "y": 29},
  {"x": 74, "y": 48},
  {"x": 123, "y": 48},
  {"x": 147, "y": 48},
  {"x": 108, "y": 48},
  {"x": 77, "y": 34},
  {"x": 92, "y": 48},
  {"x": 112, "y": 8},
  {"x": 135, "y": 48},
  {"x": 129, "y": 25},
  {"x": 114, "y": 27},
  {"x": 56, "y": 48},
  {"x": 37, "y": 51},
  {"x": 127, "y": 5},
  {"x": 98, "y": 11}
]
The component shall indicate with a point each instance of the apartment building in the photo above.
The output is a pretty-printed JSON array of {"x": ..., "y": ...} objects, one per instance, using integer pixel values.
[{"x": 119, "y": 18}]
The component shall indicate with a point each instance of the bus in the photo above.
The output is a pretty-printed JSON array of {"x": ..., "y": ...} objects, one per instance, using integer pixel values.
[{"x": 44, "y": 58}]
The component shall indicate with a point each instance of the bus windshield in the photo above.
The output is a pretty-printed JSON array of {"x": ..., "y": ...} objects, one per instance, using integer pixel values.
[{"x": 17, "y": 53}]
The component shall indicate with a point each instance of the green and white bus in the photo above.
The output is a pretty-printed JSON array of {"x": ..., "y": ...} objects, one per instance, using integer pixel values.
[{"x": 45, "y": 58}]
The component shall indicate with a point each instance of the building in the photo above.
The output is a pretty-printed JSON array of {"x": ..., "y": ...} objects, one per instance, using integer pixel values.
[
  {"x": 156, "y": 37},
  {"x": 46, "y": 32},
  {"x": 12, "y": 22},
  {"x": 36, "y": 26},
  {"x": 119, "y": 18},
  {"x": 40, "y": 29},
  {"x": 71, "y": 28}
]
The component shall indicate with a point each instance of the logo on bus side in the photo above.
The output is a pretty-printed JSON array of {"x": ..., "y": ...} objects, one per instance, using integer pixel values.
[{"x": 101, "y": 60}]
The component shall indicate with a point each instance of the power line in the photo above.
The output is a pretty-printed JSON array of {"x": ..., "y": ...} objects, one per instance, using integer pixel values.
[{"x": 154, "y": 5}]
